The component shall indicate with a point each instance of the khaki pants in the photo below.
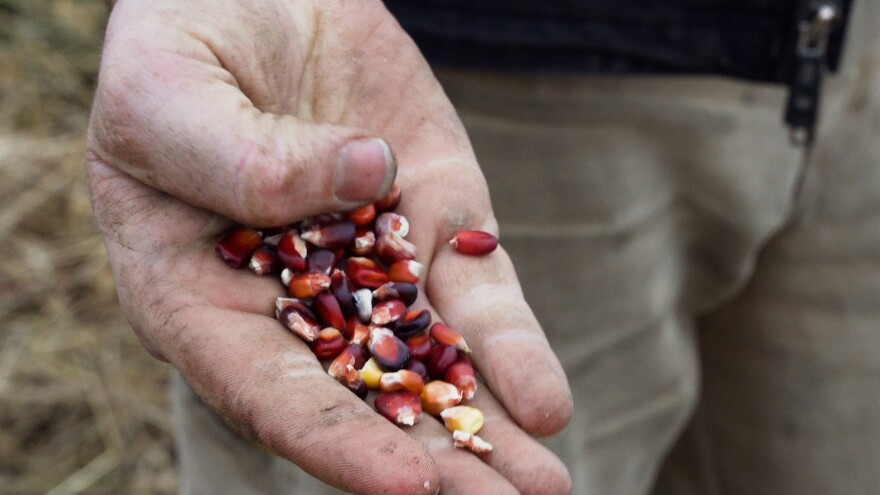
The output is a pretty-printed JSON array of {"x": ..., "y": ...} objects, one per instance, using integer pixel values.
[{"x": 713, "y": 292}]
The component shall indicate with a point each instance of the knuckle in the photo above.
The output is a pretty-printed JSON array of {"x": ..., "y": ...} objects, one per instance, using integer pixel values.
[
  {"x": 463, "y": 194},
  {"x": 268, "y": 181},
  {"x": 258, "y": 178},
  {"x": 113, "y": 127},
  {"x": 116, "y": 125},
  {"x": 121, "y": 207},
  {"x": 474, "y": 215}
]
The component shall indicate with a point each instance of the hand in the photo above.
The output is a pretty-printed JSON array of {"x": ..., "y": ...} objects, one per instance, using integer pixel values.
[{"x": 208, "y": 110}]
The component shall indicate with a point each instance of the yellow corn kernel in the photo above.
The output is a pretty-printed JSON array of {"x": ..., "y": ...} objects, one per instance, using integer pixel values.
[
  {"x": 464, "y": 418},
  {"x": 371, "y": 373}
]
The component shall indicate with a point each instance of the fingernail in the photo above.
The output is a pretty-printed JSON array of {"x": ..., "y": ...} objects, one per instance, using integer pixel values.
[{"x": 364, "y": 171}]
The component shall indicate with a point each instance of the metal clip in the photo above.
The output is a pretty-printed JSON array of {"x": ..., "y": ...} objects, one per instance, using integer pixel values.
[
  {"x": 815, "y": 29},
  {"x": 814, "y": 33}
]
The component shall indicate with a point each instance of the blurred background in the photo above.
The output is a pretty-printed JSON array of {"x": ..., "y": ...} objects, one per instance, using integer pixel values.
[{"x": 83, "y": 408}]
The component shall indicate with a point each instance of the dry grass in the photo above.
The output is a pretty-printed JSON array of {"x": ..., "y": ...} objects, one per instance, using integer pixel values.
[{"x": 82, "y": 406}]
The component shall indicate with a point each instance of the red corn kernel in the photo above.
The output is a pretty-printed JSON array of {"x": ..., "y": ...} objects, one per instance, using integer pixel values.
[
  {"x": 297, "y": 318},
  {"x": 344, "y": 370},
  {"x": 334, "y": 235},
  {"x": 363, "y": 272},
  {"x": 329, "y": 343},
  {"x": 350, "y": 324},
  {"x": 368, "y": 278},
  {"x": 420, "y": 346},
  {"x": 342, "y": 292},
  {"x": 327, "y": 307},
  {"x": 338, "y": 366},
  {"x": 292, "y": 251},
  {"x": 406, "y": 292},
  {"x": 359, "y": 262},
  {"x": 447, "y": 336},
  {"x": 321, "y": 261},
  {"x": 283, "y": 302},
  {"x": 474, "y": 242},
  {"x": 405, "y": 271},
  {"x": 412, "y": 323},
  {"x": 306, "y": 285},
  {"x": 340, "y": 253},
  {"x": 363, "y": 216},
  {"x": 418, "y": 367},
  {"x": 364, "y": 242},
  {"x": 441, "y": 357},
  {"x": 236, "y": 248},
  {"x": 344, "y": 359},
  {"x": 391, "y": 223},
  {"x": 359, "y": 333},
  {"x": 461, "y": 374},
  {"x": 402, "y": 380},
  {"x": 391, "y": 200},
  {"x": 386, "y": 312},
  {"x": 402, "y": 408},
  {"x": 360, "y": 355},
  {"x": 438, "y": 395},
  {"x": 388, "y": 351},
  {"x": 391, "y": 247},
  {"x": 264, "y": 260}
]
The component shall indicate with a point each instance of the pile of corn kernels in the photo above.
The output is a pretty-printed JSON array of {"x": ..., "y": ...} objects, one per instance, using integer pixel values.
[{"x": 351, "y": 279}]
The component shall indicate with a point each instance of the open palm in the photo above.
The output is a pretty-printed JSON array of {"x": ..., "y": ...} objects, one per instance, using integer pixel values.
[{"x": 266, "y": 112}]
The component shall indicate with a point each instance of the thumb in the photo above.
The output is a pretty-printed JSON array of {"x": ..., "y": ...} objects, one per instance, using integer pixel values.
[{"x": 207, "y": 144}]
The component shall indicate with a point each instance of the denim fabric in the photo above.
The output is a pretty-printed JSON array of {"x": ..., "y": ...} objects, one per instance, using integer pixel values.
[{"x": 750, "y": 39}]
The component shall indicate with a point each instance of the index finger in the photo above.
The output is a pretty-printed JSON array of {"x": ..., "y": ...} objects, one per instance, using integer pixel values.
[
  {"x": 268, "y": 386},
  {"x": 482, "y": 299}
]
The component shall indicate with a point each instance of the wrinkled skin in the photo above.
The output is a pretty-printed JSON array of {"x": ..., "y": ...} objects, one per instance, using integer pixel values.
[{"x": 211, "y": 110}]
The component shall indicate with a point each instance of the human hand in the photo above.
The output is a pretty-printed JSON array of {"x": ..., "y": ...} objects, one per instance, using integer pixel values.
[{"x": 242, "y": 110}]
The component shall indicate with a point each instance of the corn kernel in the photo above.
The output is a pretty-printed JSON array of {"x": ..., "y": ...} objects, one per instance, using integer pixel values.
[
  {"x": 438, "y": 395},
  {"x": 475, "y": 444},
  {"x": 371, "y": 373},
  {"x": 464, "y": 418}
]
